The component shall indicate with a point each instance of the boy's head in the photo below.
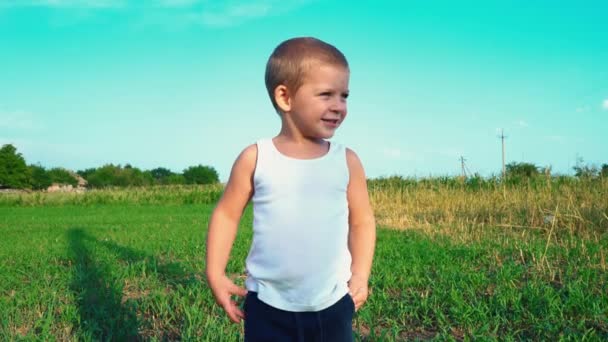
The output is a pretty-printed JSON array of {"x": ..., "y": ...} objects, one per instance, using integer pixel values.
[{"x": 293, "y": 58}]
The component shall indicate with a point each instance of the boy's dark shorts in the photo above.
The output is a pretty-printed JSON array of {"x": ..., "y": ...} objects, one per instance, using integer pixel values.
[{"x": 266, "y": 323}]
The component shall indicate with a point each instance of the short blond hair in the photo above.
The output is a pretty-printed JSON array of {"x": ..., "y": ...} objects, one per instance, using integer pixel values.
[{"x": 291, "y": 59}]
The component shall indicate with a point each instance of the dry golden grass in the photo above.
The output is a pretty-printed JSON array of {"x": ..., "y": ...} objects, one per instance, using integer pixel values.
[
  {"x": 564, "y": 215},
  {"x": 576, "y": 208}
]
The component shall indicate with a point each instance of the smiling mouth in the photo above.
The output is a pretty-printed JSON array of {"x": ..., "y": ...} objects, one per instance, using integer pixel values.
[{"x": 332, "y": 121}]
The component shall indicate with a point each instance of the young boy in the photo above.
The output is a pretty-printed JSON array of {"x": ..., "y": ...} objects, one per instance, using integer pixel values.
[{"x": 313, "y": 229}]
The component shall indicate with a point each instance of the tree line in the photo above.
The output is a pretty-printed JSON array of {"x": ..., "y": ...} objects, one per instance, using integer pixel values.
[
  {"x": 520, "y": 171},
  {"x": 15, "y": 173}
]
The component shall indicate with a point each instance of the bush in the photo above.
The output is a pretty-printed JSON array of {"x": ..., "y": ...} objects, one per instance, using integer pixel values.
[
  {"x": 161, "y": 175},
  {"x": 201, "y": 174},
  {"x": 176, "y": 179},
  {"x": 115, "y": 175},
  {"x": 102, "y": 177},
  {"x": 40, "y": 178},
  {"x": 86, "y": 173},
  {"x": 62, "y": 176},
  {"x": 522, "y": 170},
  {"x": 14, "y": 173}
]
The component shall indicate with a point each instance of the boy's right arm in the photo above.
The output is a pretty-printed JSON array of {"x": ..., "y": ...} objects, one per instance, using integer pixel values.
[{"x": 223, "y": 228}]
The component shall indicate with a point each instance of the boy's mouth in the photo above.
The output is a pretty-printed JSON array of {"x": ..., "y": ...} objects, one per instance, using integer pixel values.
[{"x": 331, "y": 121}]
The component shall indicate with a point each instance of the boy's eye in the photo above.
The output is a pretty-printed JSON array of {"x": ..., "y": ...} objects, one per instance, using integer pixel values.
[
  {"x": 345, "y": 95},
  {"x": 326, "y": 93}
]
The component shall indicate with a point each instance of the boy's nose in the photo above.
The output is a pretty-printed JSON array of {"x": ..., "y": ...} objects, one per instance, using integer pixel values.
[{"x": 338, "y": 106}]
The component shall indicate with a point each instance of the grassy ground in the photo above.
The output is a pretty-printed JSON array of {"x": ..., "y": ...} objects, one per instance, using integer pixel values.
[{"x": 77, "y": 272}]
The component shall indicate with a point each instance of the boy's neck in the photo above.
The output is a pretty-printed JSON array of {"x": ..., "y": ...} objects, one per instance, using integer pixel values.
[
  {"x": 289, "y": 137},
  {"x": 300, "y": 147}
]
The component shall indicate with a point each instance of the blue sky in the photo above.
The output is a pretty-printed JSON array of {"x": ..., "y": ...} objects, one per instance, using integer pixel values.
[{"x": 176, "y": 83}]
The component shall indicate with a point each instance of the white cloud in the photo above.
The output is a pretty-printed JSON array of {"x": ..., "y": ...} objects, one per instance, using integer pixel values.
[
  {"x": 211, "y": 13},
  {"x": 450, "y": 152},
  {"x": 234, "y": 14},
  {"x": 64, "y": 3},
  {"x": 392, "y": 153},
  {"x": 396, "y": 153},
  {"x": 556, "y": 138},
  {"x": 215, "y": 11},
  {"x": 177, "y": 3},
  {"x": 231, "y": 13},
  {"x": 522, "y": 123},
  {"x": 605, "y": 104},
  {"x": 19, "y": 120}
]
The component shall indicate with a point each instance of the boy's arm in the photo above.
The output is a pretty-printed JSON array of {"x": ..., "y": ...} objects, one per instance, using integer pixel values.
[
  {"x": 222, "y": 231},
  {"x": 362, "y": 230}
]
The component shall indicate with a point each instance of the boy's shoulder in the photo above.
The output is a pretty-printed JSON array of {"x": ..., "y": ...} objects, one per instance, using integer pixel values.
[
  {"x": 354, "y": 164},
  {"x": 249, "y": 153},
  {"x": 351, "y": 155},
  {"x": 246, "y": 160}
]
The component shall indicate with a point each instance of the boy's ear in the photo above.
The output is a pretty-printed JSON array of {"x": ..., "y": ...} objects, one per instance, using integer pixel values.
[{"x": 283, "y": 98}]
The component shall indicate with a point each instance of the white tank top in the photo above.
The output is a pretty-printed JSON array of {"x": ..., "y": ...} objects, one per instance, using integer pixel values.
[{"x": 299, "y": 258}]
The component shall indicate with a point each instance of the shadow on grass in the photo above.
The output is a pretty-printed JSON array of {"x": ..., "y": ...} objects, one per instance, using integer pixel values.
[{"x": 103, "y": 311}]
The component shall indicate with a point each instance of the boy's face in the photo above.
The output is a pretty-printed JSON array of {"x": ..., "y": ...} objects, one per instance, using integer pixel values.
[{"x": 319, "y": 106}]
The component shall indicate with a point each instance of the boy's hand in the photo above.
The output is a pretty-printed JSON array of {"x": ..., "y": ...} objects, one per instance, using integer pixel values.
[
  {"x": 357, "y": 288},
  {"x": 223, "y": 289}
]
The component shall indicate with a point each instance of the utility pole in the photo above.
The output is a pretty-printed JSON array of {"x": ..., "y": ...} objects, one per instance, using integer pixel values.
[
  {"x": 464, "y": 172},
  {"x": 502, "y": 138}
]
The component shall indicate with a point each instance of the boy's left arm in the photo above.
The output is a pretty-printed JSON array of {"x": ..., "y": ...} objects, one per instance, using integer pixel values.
[{"x": 362, "y": 230}]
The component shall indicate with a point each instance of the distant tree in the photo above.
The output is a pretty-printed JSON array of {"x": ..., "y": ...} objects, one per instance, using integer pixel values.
[
  {"x": 161, "y": 175},
  {"x": 103, "y": 176},
  {"x": 14, "y": 172},
  {"x": 585, "y": 171},
  {"x": 201, "y": 174},
  {"x": 176, "y": 179},
  {"x": 123, "y": 176},
  {"x": 40, "y": 178},
  {"x": 115, "y": 175},
  {"x": 522, "y": 170},
  {"x": 148, "y": 178},
  {"x": 86, "y": 173},
  {"x": 62, "y": 176},
  {"x": 132, "y": 176},
  {"x": 604, "y": 171}
]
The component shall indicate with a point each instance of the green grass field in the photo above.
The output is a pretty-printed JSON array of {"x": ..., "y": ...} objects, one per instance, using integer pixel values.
[{"x": 128, "y": 271}]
